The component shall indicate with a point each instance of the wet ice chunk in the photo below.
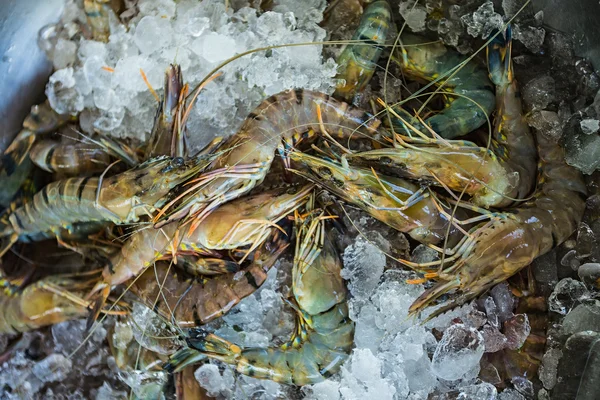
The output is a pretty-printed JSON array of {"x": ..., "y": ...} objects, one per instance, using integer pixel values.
[
  {"x": 54, "y": 368},
  {"x": 494, "y": 339},
  {"x": 532, "y": 37},
  {"x": 567, "y": 293},
  {"x": 326, "y": 390},
  {"x": 458, "y": 353},
  {"x": 523, "y": 386},
  {"x": 363, "y": 266},
  {"x": 516, "y": 330},
  {"x": 589, "y": 273},
  {"x": 483, "y": 391},
  {"x": 548, "y": 369},
  {"x": 153, "y": 34},
  {"x": 510, "y": 394},
  {"x": 539, "y": 92},
  {"x": 106, "y": 392},
  {"x": 214, "y": 47},
  {"x": 589, "y": 126},
  {"x": 414, "y": 14},
  {"x": 361, "y": 378},
  {"x": 209, "y": 377},
  {"x": 483, "y": 21},
  {"x": 64, "y": 53},
  {"x": 62, "y": 93}
]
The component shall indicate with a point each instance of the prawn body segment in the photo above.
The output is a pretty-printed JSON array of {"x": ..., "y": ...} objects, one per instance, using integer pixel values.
[
  {"x": 359, "y": 60},
  {"x": 474, "y": 98}
]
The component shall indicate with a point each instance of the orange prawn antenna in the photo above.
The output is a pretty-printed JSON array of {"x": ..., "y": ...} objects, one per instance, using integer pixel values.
[
  {"x": 108, "y": 69},
  {"x": 149, "y": 85}
]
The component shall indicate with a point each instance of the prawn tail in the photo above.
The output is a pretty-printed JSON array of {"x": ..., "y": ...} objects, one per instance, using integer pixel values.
[
  {"x": 200, "y": 345},
  {"x": 499, "y": 58},
  {"x": 182, "y": 358}
]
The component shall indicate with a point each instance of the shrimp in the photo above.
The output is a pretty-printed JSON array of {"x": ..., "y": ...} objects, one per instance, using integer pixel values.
[
  {"x": 434, "y": 62},
  {"x": 248, "y": 221},
  {"x": 97, "y": 13},
  {"x": 45, "y": 302},
  {"x": 120, "y": 199},
  {"x": 324, "y": 333},
  {"x": 72, "y": 159},
  {"x": 277, "y": 123},
  {"x": 493, "y": 178},
  {"x": 15, "y": 163},
  {"x": 358, "y": 61},
  {"x": 511, "y": 240},
  {"x": 188, "y": 303},
  {"x": 398, "y": 203}
]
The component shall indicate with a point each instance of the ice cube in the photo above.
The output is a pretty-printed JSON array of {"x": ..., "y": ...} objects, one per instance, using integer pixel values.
[
  {"x": 363, "y": 267},
  {"x": 547, "y": 122},
  {"x": 523, "y": 386},
  {"x": 504, "y": 299},
  {"x": 414, "y": 15},
  {"x": 532, "y": 37},
  {"x": 548, "y": 369},
  {"x": 458, "y": 353},
  {"x": 510, "y": 394},
  {"x": 589, "y": 126},
  {"x": 567, "y": 293},
  {"x": 516, "y": 330},
  {"x": 157, "y": 8},
  {"x": 62, "y": 93},
  {"x": 589, "y": 273},
  {"x": 64, "y": 53},
  {"x": 494, "y": 339},
  {"x": 326, "y": 390},
  {"x": 361, "y": 378},
  {"x": 209, "y": 377},
  {"x": 214, "y": 47},
  {"x": 54, "y": 368},
  {"x": 584, "y": 317},
  {"x": 106, "y": 392},
  {"x": 539, "y": 92},
  {"x": 482, "y": 391},
  {"x": 153, "y": 34},
  {"x": 424, "y": 254},
  {"x": 483, "y": 21},
  {"x": 581, "y": 150}
]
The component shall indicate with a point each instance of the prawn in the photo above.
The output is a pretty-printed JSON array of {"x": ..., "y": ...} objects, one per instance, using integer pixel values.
[
  {"x": 511, "y": 240},
  {"x": 15, "y": 163},
  {"x": 277, "y": 124},
  {"x": 120, "y": 199},
  {"x": 45, "y": 302},
  {"x": 358, "y": 61},
  {"x": 188, "y": 303},
  {"x": 399, "y": 203},
  {"x": 455, "y": 75},
  {"x": 72, "y": 159},
  {"x": 324, "y": 333},
  {"x": 248, "y": 221},
  {"x": 492, "y": 178}
]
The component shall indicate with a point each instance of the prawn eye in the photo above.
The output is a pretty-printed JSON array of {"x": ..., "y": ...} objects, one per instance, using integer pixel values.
[
  {"x": 177, "y": 162},
  {"x": 325, "y": 172},
  {"x": 385, "y": 160}
]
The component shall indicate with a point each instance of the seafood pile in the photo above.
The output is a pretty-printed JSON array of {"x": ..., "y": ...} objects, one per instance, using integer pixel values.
[{"x": 363, "y": 230}]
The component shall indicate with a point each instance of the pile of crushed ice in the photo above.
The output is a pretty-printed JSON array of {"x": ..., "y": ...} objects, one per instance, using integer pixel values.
[{"x": 104, "y": 82}]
